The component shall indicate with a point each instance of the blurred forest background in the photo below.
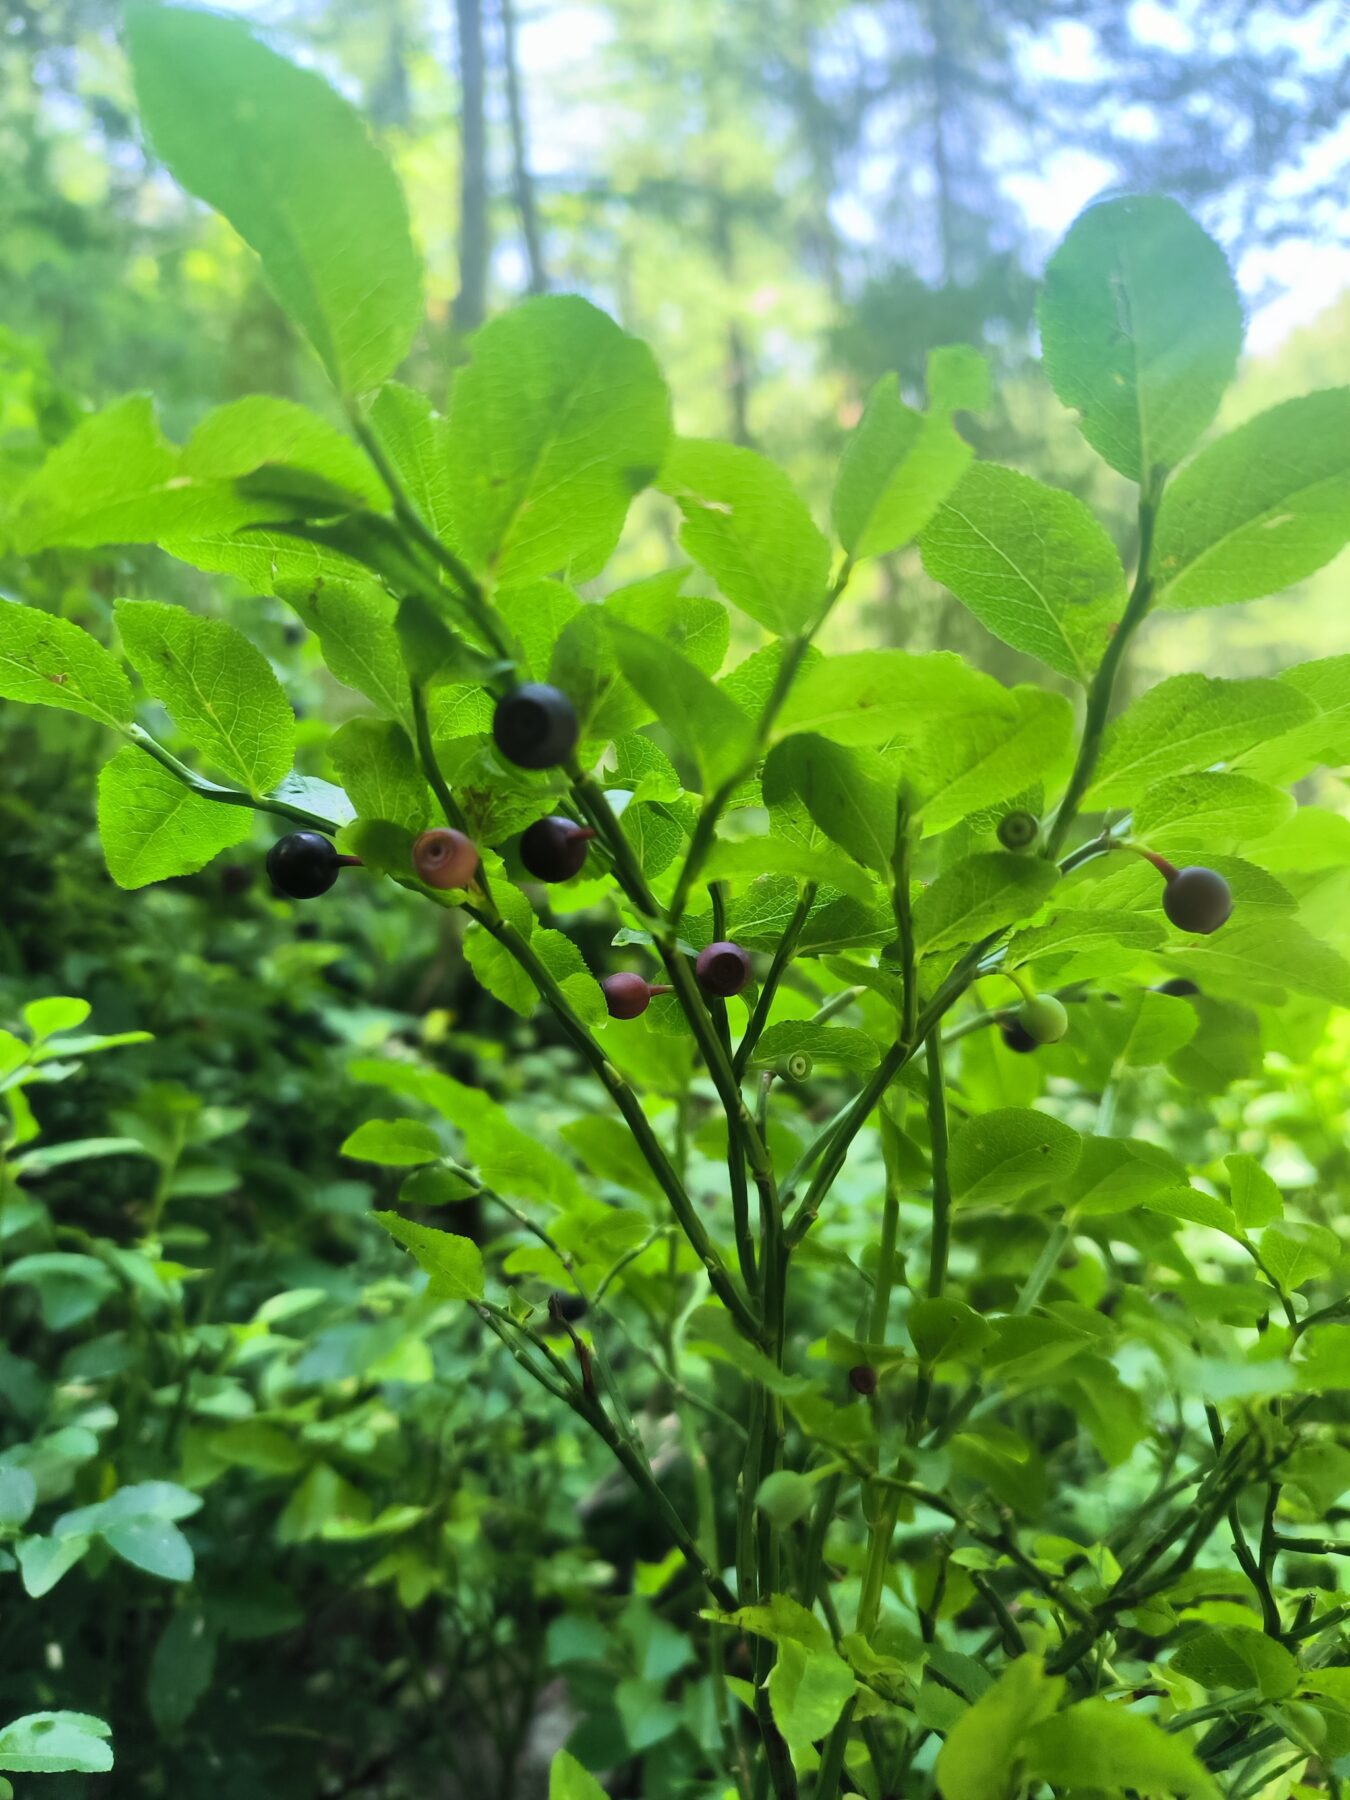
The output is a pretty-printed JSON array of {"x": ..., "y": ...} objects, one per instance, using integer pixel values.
[{"x": 786, "y": 197}]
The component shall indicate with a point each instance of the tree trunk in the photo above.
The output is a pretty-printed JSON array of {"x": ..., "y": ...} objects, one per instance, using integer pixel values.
[
  {"x": 470, "y": 307},
  {"x": 522, "y": 181}
]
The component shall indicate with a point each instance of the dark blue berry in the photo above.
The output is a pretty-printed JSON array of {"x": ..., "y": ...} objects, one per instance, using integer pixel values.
[
  {"x": 303, "y": 865},
  {"x": 554, "y": 849},
  {"x": 535, "y": 726}
]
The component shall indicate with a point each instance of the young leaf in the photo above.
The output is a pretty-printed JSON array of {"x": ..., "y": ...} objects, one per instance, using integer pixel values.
[
  {"x": 1253, "y": 1195},
  {"x": 1260, "y": 509},
  {"x": 1322, "y": 739},
  {"x": 220, "y": 690},
  {"x": 979, "y": 895},
  {"x": 981, "y": 1759},
  {"x": 48, "y": 661},
  {"x": 745, "y": 524},
  {"x": 243, "y": 438},
  {"x": 1003, "y": 1154},
  {"x": 897, "y": 468},
  {"x": 454, "y": 1265},
  {"x": 879, "y": 696},
  {"x": 1189, "y": 723},
  {"x": 152, "y": 827},
  {"x": 558, "y": 419},
  {"x": 850, "y": 794},
  {"x": 412, "y": 436},
  {"x": 393, "y": 1143},
  {"x": 1031, "y": 563},
  {"x": 567, "y": 1780},
  {"x": 1140, "y": 328},
  {"x": 292, "y": 167}
]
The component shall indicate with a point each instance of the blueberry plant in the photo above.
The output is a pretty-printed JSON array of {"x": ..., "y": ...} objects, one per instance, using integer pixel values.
[{"x": 1014, "y": 1432}]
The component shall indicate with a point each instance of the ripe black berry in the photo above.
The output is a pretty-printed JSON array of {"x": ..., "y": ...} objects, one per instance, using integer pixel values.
[
  {"x": 627, "y": 995},
  {"x": 304, "y": 865},
  {"x": 722, "y": 968},
  {"x": 535, "y": 726},
  {"x": 567, "y": 1307},
  {"x": 1198, "y": 900},
  {"x": 1018, "y": 830},
  {"x": 554, "y": 849},
  {"x": 1016, "y": 1036},
  {"x": 444, "y": 858},
  {"x": 1180, "y": 986},
  {"x": 863, "y": 1379}
]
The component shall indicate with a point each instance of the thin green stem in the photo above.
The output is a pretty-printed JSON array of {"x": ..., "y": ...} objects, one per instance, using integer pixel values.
[
  {"x": 228, "y": 796},
  {"x": 1103, "y": 682},
  {"x": 782, "y": 956}
]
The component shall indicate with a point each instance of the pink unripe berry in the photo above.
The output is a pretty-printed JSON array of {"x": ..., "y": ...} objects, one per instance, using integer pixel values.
[{"x": 444, "y": 858}]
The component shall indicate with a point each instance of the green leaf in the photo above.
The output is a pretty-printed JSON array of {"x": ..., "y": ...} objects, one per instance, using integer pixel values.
[
  {"x": 836, "y": 1046},
  {"x": 48, "y": 661},
  {"x": 706, "y": 721},
  {"x": 454, "y": 1265},
  {"x": 1237, "y": 1658},
  {"x": 784, "y": 1497},
  {"x": 697, "y": 627},
  {"x": 1148, "y": 1027},
  {"x": 180, "y": 1669},
  {"x": 1075, "y": 929},
  {"x": 1253, "y": 1195},
  {"x": 50, "y": 1743},
  {"x": 1102, "y": 1745},
  {"x": 43, "y": 1561},
  {"x": 58, "y": 1013},
  {"x": 1325, "y": 1367},
  {"x": 745, "y": 524},
  {"x": 1140, "y": 329},
  {"x": 220, "y": 690},
  {"x": 994, "y": 753},
  {"x": 556, "y": 422},
  {"x": 981, "y": 1759},
  {"x": 1294, "y": 1252},
  {"x": 1260, "y": 509},
  {"x": 1210, "y": 811},
  {"x": 354, "y": 623},
  {"x": 897, "y": 468},
  {"x": 393, "y": 1143},
  {"x": 946, "y": 1330},
  {"x": 153, "y": 827},
  {"x": 153, "y": 1544},
  {"x": 1269, "y": 950},
  {"x": 878, "y": 696},
  {"x": 412, "y": 436},
  {"x": 567, "y": 1780},
  {"x": 262, "y": 437},
  {"x": 1325, "y": 737},
  {"x": 808, "y": 1689},
  {"x": 18, "y": 1497},
  {"x": 378, "y": 769},
  {"x": 292, "y": 167},
  {"x": 850, "y": 794},
  {"x": 1032, "y": 564},
  {"x": 979, "y": 895},
  {"x": 1003, "y": 1154},
  {"x": 1187, "y": 724}
]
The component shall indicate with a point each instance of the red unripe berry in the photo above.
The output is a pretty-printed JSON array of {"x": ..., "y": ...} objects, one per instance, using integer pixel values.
[
  {"x": 627, "y": 995},
  {"x": 722, "y": 968},
  {"x": 863, "y": 1379},
  {"x": 444, "y": 858},
  {"x": 1197, "y": 900},
  {"x": 554, "y": 849}
]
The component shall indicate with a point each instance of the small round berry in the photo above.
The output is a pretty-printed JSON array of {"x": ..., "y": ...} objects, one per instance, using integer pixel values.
[
  {"x": 1018, "y": 830},
  {"x": 722, "y": 968},
  {"x": 303, "y": 865},
  {"x": 1180, "y": 986},
  {"x": 797, "y": 1066},
  {"x": 566, "y": 1307},
  {"x": 863, "y": 1379},
  {"x": 535, "y": 726},
  {"x": 627, "y": 996},
  {"x": 444, "y": 858},
  {"x": 1016, "y": 1036},
  {"x": 1197, "y": 900},
  {"x": 1043, "y": 1019},
  {"x": 554, "y": 849}
]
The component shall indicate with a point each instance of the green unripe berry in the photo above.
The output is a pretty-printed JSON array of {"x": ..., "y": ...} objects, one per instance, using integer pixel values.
[
  {"x": 1043, "y": 1018},
  {"x": 1018, "y": 830}
]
